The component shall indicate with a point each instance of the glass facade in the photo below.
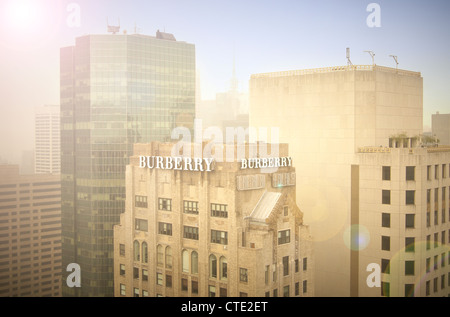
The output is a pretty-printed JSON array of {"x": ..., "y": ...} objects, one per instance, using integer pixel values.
[{"x": 116, "y": 90}]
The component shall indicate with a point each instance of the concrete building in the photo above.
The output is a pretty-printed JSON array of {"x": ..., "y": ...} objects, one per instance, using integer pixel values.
[
  {"x": 116, "y": 90},
  {"x": 440, "y": 127},
  {"x": 227, "y": 232},
  {"x": 47, "y": 145},
  {"x": 325, "y": 115},
  {"x": 30, "y": 234},
  {"x": 401, "y": 220}
]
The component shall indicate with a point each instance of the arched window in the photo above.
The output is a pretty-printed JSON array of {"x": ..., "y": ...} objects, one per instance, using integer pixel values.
[
  {"x": 144, "y": 252},
  {"x": 212, "y": 266},
  {"x": 185, "y": 259},
  {"x": 136, "y": 252},
  {"x": 160, "y": 255},
  {"x": 223, "y": 268},
  {"x": 168, "y": 257},
  {"x": 194, "y": 262}
]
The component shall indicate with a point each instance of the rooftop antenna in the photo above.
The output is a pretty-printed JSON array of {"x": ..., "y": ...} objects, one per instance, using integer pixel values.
[
  {"x": 113, "y": 28},
  {"x": 395, "y": 59},
  {"x": 349, "y": 62},
  {"x": 372, "y": 54}
]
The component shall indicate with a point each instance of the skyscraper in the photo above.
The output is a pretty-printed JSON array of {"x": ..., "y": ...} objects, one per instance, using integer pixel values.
[
  {"x": 47, "y": 148},
  {"x": 116, "y": 90}
]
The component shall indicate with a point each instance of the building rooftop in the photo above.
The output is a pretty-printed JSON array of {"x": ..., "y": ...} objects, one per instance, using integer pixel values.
[
  {"x": 336, "y": 69},
  {"x": 264, "y": 208}
]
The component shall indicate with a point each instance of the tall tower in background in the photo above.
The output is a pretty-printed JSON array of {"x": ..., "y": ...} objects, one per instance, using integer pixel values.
[
  {"x": 47, "y": 156},
  {"x": 116, "y": 90}
]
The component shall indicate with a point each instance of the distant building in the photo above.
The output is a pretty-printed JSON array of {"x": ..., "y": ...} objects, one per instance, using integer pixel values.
[
  {"x": 47, "y": 143},
  {"x": 440, "y": 127},
  {"x": 228, "y": 232},
  {"x": 30, "y": 234},
  {"x": 27, "y": 165}
]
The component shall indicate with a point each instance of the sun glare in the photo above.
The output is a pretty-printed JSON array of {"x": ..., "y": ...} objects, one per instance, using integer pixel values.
[{"x": 22, "y": 14}]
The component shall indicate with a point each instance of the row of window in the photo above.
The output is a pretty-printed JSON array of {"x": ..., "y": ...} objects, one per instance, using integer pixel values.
[
  {"x": 189, "y": 207},
  {"x": 409, "y": 288},
  {"x": 410, "y": 242},
  {"x": 410, "y": 172}
]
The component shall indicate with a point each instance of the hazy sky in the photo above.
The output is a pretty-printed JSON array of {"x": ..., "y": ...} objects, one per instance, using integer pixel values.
[{"x": 262, "y": 36}]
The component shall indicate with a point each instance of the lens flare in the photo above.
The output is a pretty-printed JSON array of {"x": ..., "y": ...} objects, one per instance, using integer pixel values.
[{"x": 356, "y": 237}]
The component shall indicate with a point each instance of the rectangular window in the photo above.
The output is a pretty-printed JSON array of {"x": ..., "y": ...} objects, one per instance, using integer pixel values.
[
  {"x": 140, "y": 201},
  {"x": 305, "y": 286},
  {"x": 212, "y": 291},
  {"x": 442, "y": 281},
  {"x": 219, "y": 210},
  {"x": 140, "y": 224},
  {"x": 428, "y": 265},
  {"x": 284, "y": 236},
  {"x": 386, "y": 197},
  {"x": 410, "y": 171},
  {"x": 190, "y": 232},
  {"x": 297, "y": 289},
  {"x": 135, "y": 272},
  {"x": 285, "y": 211},
  {"x": 266, "y": 275},
  {"x": 122, "y": 249},
  {"x": 436, "y": 239},
  {"x": 190, "y": 207},
  {"x": 165, "y": 228},
  {"x": 435, "y": 284},
  {"x": 427, "y": 291},
  {"x": 223, "y": 292},
  {"x": 409, "y": 244},
  {"x": 296, "y": 266},
  {"x": 286, "y": 291},
  {"x": 144, "y": 275},
  {"x": 428, "y": 242},
  {"x": 220, "y": 237},
  {"x": 385, "y": 243},
  {"x": 285, "y": 265},
  {"x": 428, "y": 219},
  {"x": 194, "y": 287},
  {"x": 385, "y": 289},
  {"x": 444, "y": 173},
  {"x": 159, "y": 279},
  {"x": 122, "y": 269},
  {"x": 305, "y": 264},
  {"x": 165, "y": 204},
  {"x": 410, "y": 197},
  {"x": 122, "y": 290},
  {"x": 436, "y": 171},
  {"x": 275, "y": 293},
  {"x": 443, "y": 237},
  {"x": 385, "y": 267},
  {"x": 168, "y": 280},
  {"x": 144, "y": 293},
  {"x": 136, "y": 292},
  {"x": 409, "y": 290},
  {"x": 409, "y": 220},
  {"x": 184, "y": 284},
  {"x": 386, "y": 173},
  {"x": 243, "y": 275},
  {"x": 385, "y": 220},
  {"x": 429, "y": 172}
]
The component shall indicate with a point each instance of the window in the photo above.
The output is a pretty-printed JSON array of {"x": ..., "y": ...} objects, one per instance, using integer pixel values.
[
  {"x": 144, "y": 293},
  {"x": 386, "y": 197},
  {"x": 285, "y": 211},
  {"x": 140, "y": 201},
  {"x": 442, "y": 281},
  {"x": 223, "y": 269},
  {"x": 135, "y": 272},
  {"x": 243, "y": 275},
  {"x": 220, "y": 237},
  {"x": 436, "y": 239},
  {"x": 144, "y": 252},
  {"x": 436, "y": 265},
  {"x": 410, "y": 197},
  {"x": 168, "y": 257},
  {"x": 136, "y": 292},
  {"x": 165, "y": 228},
  {"x": 190, "y": 233},
  {"x": 410, "y": 173},
  {"x": 223, "y": 292},
  {"x": 436, "y": 171},
  {"x": 140, "y": 224},
  {"x": 409, "y": 290},
  {"x": 266, "y": 274},
  {"x": 427, "y": 292},
  {"x": 137, "y": 255},
  {"x": 429, "y": 172},
  {"x": 435, "y": 284},
  {"x": 275, "y": 293},
  {"x": 285, "y": 265},
  {"x": 444, "y": 173},
  {"x": 160, "y": 255},
  {"x": 443, "y": 237},
  {"x": 122, "y": 290},
  {"x": 305, "y": 286},
  {"x": 428, "y": 219},
  {"x": 284, "y": 236},
  {"x": 122, "y": 249},
  {"x": 385, "y": 287},
  {"x": 409, "y": 220},
  {"x": 409, "y": 267},
  {"x": 159, "y": 279},
  {"x": 428, "y": 242},
  {"x": 165, "y": 204},
  {"x": 286, "y": 291},
  {"x": 122, "y": 269},
  {"x": 212, "y": 266},
  {"x": 409, "y": 244},
  {"x": 443, "y": 259},
  {"x": 385, "y": 266},
  {"x": 218, "y": 210},
  {"x": 386, "y": 173},
  {"x": 194, "y": 262},
  {"x": 297, "y": 289},
  {"x": 184, "y": 284},
  {"x": 428, "y": 265},
  {"x": 212, "y": 291},
  {"x": 144, "y": 275},
  {"x": 385, "y": 243},
  {"x": 242, "y": 294},
  {"x": 194, "y": 287},
  {"x": 296, "y": 265},
  {"x": 386, "y": 220},
  {"x": 168, "y": 280},
  {"x": 190, "y": 207}
]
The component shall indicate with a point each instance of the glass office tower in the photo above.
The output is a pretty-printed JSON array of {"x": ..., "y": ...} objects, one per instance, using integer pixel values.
[{"x": 116, "y": 90}]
